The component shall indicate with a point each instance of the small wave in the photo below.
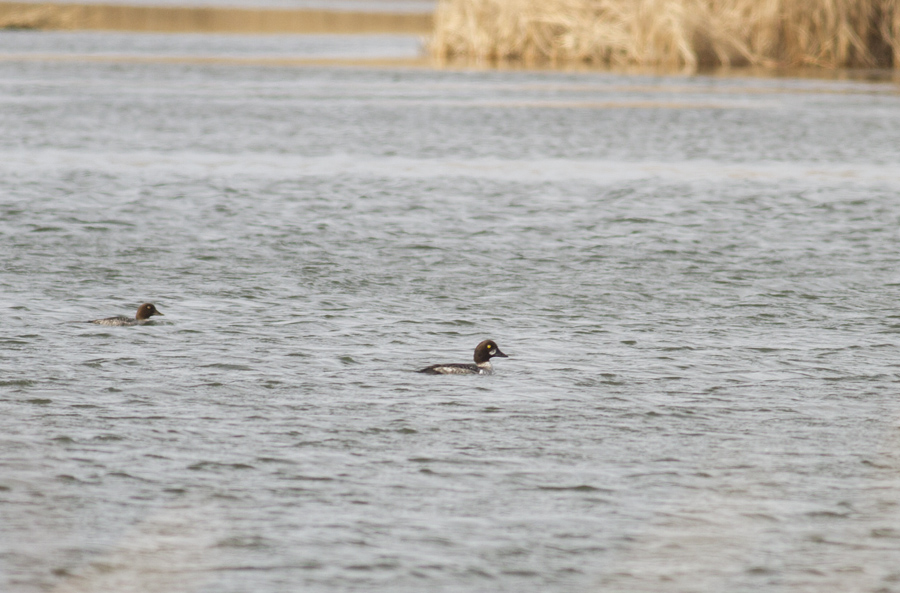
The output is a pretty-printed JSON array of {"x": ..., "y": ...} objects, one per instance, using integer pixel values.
[
  {"x": 108, "y": 437},
  {"x": 248, "y": 541},
  {"x": 203, "y": 465},
  {"x": 579, "y": 488},
  {"x": 311, "y": 478},
  {"x": 17, "y": 383},
  {"x": 275, "y": 460},
  {"x": 227, "y": 366},
  {"x": 127, "y": 476}
]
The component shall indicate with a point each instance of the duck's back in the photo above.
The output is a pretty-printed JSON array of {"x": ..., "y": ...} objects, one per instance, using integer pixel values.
[
  {"x": 455, "y": 369},
  {"x": 117, "y": 320}
]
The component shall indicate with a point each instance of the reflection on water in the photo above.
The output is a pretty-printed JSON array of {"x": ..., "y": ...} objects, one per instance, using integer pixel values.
[{"x": 695, "y": 279}]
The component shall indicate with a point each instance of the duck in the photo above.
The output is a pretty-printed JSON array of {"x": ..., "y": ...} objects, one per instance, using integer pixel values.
[
  {"x": 484, "y": 352},
  {"x": 143, "y": 315}
]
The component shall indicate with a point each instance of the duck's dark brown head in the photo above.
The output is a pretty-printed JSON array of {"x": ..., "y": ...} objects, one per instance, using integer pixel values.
[
  {"x": 146, "y": 311},
  {"x": 487, "y": 350}
]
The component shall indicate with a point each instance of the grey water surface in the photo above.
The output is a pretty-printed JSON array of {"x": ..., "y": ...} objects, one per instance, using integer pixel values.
[
  {"x": 218, "y": 47},
  {"x": 696, "y": 279}
]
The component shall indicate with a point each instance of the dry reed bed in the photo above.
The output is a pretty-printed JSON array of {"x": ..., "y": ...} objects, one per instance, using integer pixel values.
[
  {"x": 23, "y": 15},
  {"x": 672, "y": 33}
]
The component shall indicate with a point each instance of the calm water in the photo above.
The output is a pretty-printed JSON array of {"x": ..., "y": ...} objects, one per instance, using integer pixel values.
[{"x": 696, "y": 279}]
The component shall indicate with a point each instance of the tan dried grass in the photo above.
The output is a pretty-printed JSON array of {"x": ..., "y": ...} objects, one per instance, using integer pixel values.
[
  {"x": 209, "y": 19},
  {"x": 35, "y": 16},
  {"x": 684, "y": 34}
]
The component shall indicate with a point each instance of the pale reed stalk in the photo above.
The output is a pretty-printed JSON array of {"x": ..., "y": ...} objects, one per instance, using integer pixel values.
[{"x": 672, "y": 33}]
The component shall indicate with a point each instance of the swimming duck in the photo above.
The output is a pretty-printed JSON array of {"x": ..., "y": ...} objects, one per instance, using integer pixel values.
[
  {"x": 483, "y": 354},
  {"x": 143, "y": 315}
]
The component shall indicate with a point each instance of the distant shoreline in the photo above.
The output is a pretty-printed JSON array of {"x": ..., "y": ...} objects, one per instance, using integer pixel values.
[{"x": 108, "y": 17}]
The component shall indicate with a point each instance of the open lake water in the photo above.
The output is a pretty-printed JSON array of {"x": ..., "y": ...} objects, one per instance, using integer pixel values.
[{"x": 696, "y": 279}]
